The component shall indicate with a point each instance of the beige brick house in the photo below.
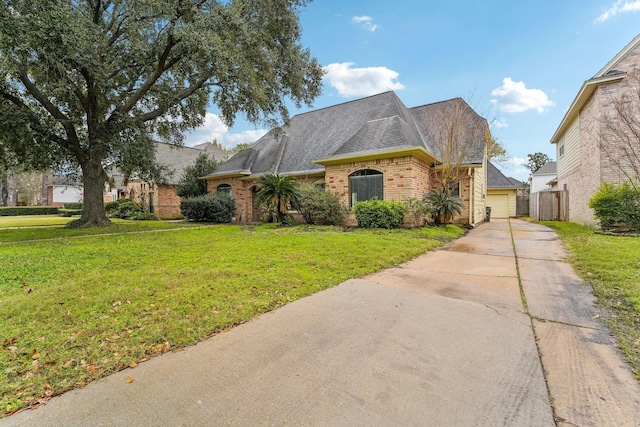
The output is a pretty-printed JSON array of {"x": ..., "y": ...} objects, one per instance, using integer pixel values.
[
  {"x": 162, "y": 200},
  {"x": 583, "y": 161},
  {"x": 370, "y": 147}
]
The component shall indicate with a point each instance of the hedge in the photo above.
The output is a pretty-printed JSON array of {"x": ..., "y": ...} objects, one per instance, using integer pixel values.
[
  {"x": 214, "y": 207},
  {"x": 28, "y": 210}
]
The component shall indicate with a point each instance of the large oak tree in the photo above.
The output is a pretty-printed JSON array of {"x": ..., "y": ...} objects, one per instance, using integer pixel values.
[{"x": 90, "y": 83}]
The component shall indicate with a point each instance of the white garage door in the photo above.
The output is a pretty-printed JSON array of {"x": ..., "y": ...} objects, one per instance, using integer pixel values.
[{"x": 499, "y": 204}]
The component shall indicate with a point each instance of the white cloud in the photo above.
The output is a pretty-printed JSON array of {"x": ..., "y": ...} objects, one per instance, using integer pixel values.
[
  {"x": 366, "y": 22},
  {"x": 514, "y": 97},
  {"x": 499, "y": 124},
  {"x": 352, "y": 82},
  {"x": 517, "y": 161},
  {"x": 619, "y": 7},
  {"x": 214, "y": 128}
]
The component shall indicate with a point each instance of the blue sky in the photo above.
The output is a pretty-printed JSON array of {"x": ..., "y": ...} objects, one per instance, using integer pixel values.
[{"x": 519, "y": 64}]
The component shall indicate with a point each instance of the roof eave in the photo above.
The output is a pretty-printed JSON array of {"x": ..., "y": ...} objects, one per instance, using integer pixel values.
[
  {"x": 419, "y": 152},
  {"x": 229, "y": 174},
  {"x": 583, "y": 95}
]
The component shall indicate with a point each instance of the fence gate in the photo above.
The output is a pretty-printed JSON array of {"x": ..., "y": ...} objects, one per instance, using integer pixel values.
[
  {"x": 522, "y": 205},
  {"x": 549, "y": 205}
]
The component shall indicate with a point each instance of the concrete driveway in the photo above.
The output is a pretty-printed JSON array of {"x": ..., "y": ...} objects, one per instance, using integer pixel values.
[{"x": 475, "y": 334}]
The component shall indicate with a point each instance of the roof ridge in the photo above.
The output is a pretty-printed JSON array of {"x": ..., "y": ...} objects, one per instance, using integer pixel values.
[{"x": 345, "y": 103}]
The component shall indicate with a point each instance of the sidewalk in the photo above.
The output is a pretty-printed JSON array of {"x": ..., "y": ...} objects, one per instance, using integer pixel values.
[{"x": 444, "y": 339}]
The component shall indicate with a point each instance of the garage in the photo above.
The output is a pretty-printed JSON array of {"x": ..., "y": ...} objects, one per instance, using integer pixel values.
[
  {"x": 501, "y": 193},
  {"x": 499, "y": 204}
]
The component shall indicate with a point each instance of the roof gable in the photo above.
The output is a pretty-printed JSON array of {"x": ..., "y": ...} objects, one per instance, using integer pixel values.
[
  {"x": 548, "y": 168},
  {"x": 608, "y": 74}
]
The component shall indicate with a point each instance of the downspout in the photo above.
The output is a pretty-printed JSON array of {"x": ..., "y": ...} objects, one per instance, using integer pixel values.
[{"x": 472, "y": 198}]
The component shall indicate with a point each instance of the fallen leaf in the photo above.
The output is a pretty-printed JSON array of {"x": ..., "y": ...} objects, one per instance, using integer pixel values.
[
  {"x": 92, "y": 368},
  {"x": 133, "y": 364},
  {"x": 68, "y": 363},
  {"x": 36, "y": 355},
  {"x": 130, "y": 380}
]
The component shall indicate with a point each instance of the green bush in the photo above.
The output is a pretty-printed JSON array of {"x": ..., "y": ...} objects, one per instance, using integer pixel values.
[
  {"x": 69, "y": 212},
  {"x": 123, "y": 208},
  {"x": 442, "y": 207},
  {"x": 318, "y": 206},
  {"x": 214, "y": 207},
  {"x": 617, "y": 206},
  {"x": 73, "y": 205},
  {"x": 380, "y": 213},
  {"x": 28, "y": 210}
]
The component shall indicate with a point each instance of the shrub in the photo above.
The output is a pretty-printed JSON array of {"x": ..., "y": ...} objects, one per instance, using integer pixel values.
[
  {"x": 617, "y": 206},
  {"x": 123, "y": 208},
  {"x": 28, "y": 210},
  {"x": 417, "y": 210},
  {"x": 318, "y": 206},
  {"x": 380, "y": 213},
  {"x": 73, "y": 205},
  {"x": 215, "y": 207},
  {"x": 442, "y": 207}
]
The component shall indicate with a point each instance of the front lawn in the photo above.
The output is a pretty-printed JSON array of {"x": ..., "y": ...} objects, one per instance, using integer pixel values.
[
  {"x": 612, "y": 265},
  {"x": 75, "y": 310}
]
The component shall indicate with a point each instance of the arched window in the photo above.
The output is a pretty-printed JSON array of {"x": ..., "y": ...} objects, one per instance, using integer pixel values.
[
  {"x": 224, "y": 189},
  {"x": 364, "y": 185}
]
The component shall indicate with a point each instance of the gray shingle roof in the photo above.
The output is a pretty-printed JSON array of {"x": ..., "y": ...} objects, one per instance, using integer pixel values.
[
  {"x": 496, "y": 179},
  {"x": 375, "y": 123},
  {"x": 548, "y": 168}
]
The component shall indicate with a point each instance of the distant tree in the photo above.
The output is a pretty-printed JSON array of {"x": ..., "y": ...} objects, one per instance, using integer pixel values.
[
  {"x": 619, "y": 136},
  {"x": 239, "y": 147},
  {"x": 279, "y": 193},
  {"x": 496, "y": 151},
  {"x": 29, "y": 186},
  {"x": 89, "y": 83},
  {"x": 535, "y": 161},
  {"x": 4, "y": 187},
  {"x": 190, "y": 184}
]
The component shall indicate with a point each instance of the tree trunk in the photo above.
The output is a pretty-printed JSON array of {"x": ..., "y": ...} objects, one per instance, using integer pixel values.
[{"x": 94, "y": 179}]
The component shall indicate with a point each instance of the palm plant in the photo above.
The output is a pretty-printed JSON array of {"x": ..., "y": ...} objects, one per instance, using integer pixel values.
[
  {"x": 279, "y": 192},
  {"x": 443, "y": 206}
]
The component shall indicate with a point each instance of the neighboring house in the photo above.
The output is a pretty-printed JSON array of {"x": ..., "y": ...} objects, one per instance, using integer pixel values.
[
  {"x": 370, "y": 147},
  {"x": 543, "y": 178},
  {"x": 162, "y": 200},
  {"x": 61, "y": 190},
  {"x": 582, "y": 164},
  {"x": 501, "y": 193}
]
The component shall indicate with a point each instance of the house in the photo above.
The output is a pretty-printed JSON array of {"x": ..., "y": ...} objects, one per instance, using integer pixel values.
[
  {"x": 161, "y": 199},
  {"x": 586, "y": 158},
  {"x": 501, "y": 193},
  {"x": 366, "y": 148},
  {"x": 544, "y": 178},
  {"x": 61, "y": 190}
]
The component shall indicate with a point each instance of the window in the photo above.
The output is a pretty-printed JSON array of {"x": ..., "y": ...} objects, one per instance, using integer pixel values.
[
  {"x": 364, "y": 185},
  {"x": 454, "y": 188},
  {"x": 224, "y": 189},
  {"x": 561, "y": 150}
]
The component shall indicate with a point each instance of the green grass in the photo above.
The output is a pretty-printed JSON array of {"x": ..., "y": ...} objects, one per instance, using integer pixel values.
[
  {"x": 612, "y": 265},
  {"x": 33, "y": 220},
  {"x": 75, "y": 310}
]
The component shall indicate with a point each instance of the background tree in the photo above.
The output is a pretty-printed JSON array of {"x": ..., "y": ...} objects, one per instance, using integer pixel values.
[
  {"x": 91, "y": 82},
  {"x": 458, "y": 137},
  {"x": 535, "y": 161},
  {"x": 619, "y": 136},
  {"x": 278, "y": 192},
  {"x": 29, "y": 187},
  {"x": 190, "y": 184}
]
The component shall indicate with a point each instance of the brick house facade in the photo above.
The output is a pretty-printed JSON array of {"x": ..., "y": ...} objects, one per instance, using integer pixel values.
[
  {"x": 328, "y": 146},
  {"x": 584, "y": 163}
]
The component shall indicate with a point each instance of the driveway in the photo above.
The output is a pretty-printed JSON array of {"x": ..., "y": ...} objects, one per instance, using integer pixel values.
[{"x": 475, "y": 334}]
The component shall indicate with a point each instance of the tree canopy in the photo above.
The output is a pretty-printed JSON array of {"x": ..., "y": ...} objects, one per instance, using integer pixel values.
[
  {"x": 535, "y": 161},
  {"x": 91, "y": 83},
  {"x": 190, "y": 184}
]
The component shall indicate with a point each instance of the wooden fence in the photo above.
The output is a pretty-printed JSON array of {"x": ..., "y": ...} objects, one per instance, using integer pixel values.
[
  {"x": 522, "y": 205},
  {"x": 549, "y": 205}
]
